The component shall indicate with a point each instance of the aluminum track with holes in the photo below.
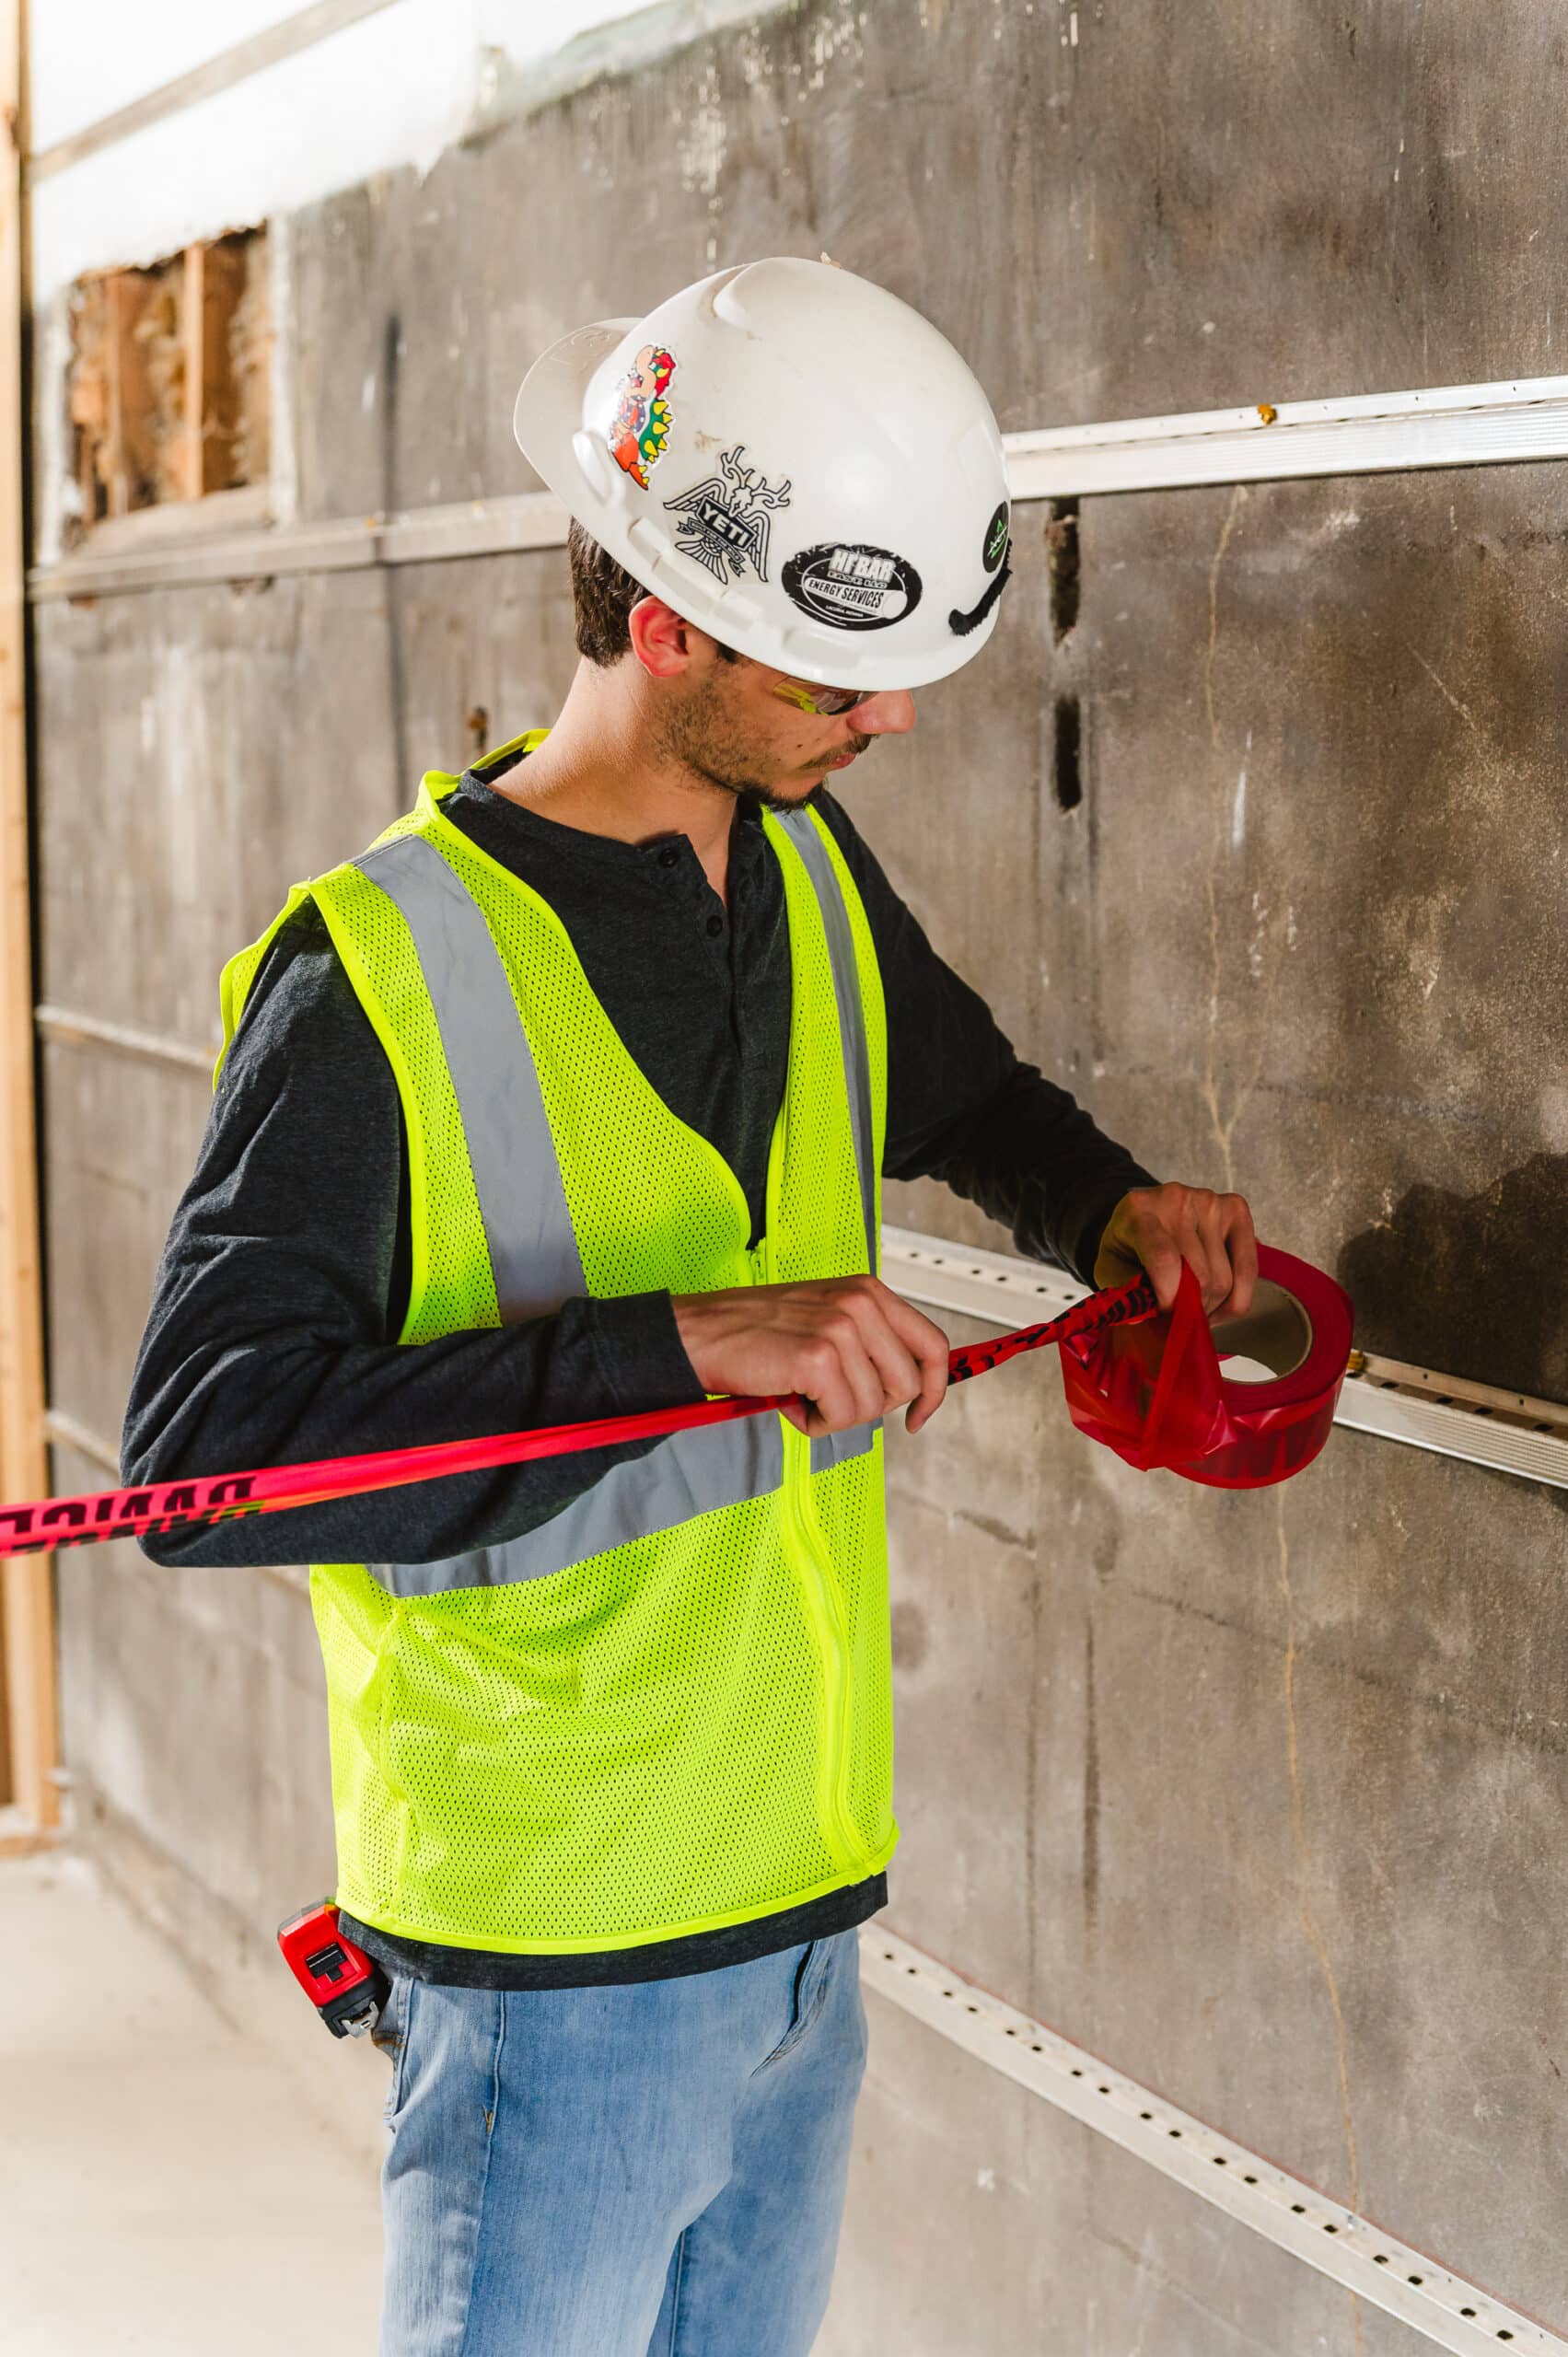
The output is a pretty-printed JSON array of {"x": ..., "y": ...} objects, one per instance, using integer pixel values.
[{"x": 1336, "y": 2242}]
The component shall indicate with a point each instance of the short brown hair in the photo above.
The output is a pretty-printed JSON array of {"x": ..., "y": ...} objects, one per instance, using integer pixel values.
[{"x": 603, "y": 594}]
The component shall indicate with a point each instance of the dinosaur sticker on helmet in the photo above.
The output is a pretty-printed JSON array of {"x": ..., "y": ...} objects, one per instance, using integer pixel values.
[
  {"x": 640, "y": 427},
  {"x": 724, "y": 519},
  {"x": 851, "y": 586},
  {"x": 995, "y": 547}
]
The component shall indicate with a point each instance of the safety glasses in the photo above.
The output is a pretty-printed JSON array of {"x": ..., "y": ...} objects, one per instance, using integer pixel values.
[
  {"x": 826, "y": 702},
  {"x": 802, "y": 693}
]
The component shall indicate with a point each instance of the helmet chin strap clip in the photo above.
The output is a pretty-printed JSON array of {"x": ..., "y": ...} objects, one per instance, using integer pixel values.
[{"x": 960, "y": 624}]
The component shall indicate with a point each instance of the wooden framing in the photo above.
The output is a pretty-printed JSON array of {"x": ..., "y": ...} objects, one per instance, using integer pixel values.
[
  {"x": 202, "y": 359},
  {"x": 217, "y": 273},
  {"x": 26, "y": 1619},
  {"x": 169, "y": 384}
]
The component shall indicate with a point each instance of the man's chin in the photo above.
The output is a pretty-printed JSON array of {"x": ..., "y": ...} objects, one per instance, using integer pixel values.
[{"x": 787, "y": 794}]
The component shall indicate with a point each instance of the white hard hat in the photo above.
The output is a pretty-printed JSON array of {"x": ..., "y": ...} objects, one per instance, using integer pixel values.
[{"x": 793, "y": 459}]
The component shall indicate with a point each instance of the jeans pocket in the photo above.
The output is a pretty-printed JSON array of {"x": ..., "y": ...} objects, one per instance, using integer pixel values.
[
  {"x": 390, "y": 2035},
  {"x": 808, "y": 1997}
]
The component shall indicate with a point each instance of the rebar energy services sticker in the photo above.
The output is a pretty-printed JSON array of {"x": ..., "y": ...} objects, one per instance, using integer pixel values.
[{"x": 852, "y": 587}]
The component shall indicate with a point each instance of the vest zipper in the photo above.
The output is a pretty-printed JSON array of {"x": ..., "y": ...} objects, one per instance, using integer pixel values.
[
  {"x": 825, "y": 1606},
  {"x": 820, "y": 1589}
]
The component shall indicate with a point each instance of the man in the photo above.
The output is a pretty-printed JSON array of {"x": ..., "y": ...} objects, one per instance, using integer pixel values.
[{"x": 573, "y": 1096}]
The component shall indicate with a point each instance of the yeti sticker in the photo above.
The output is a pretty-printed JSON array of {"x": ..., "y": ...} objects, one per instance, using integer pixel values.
[
  {"x": 640, "y": 427},
  {"x": 723, "y": 520},
  {"x": 852, "y": 587}
]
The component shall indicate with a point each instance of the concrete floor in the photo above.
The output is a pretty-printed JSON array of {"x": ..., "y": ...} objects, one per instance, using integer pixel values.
[{"x": 164, "y": 2185}]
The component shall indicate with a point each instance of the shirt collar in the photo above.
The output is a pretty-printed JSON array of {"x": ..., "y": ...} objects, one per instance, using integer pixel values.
[{"x": 747, "y": 843}]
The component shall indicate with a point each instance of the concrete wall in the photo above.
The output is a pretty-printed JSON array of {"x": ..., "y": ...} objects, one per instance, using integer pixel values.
[{"x": 1259, "y": 1796}]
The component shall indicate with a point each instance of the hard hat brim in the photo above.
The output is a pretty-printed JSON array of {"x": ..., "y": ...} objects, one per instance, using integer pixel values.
[{"x": 549, "y": 408}]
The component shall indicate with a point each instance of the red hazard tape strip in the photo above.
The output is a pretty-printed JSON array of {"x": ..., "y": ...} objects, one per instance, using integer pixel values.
[{"x": 165, "y": 1507}]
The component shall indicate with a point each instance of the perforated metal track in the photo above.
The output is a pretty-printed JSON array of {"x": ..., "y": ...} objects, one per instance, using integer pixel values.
[{"x": 1450, "y": 2312}]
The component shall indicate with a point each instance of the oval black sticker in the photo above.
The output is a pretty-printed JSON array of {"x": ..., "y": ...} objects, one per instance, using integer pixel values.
[
  {"x": 851, "y": 586},
  {"x": 995, "y": 545}
]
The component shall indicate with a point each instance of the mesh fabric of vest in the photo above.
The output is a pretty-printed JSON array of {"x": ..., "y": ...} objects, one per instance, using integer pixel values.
[{"x": 691, "y": 1729}]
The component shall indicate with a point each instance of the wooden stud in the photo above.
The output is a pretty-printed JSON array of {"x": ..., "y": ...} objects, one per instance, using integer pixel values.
[
  {"x": 117, "y": 494},
  {"x": 215, "y": 284},
  {"x": 26, "y": 1581},
  {"x": 193, "y": 473},
  {"x": 139, "y": 319}
]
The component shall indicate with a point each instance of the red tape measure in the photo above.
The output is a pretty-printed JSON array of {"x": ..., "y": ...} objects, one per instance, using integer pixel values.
[{"x": 347, "y": 1988}]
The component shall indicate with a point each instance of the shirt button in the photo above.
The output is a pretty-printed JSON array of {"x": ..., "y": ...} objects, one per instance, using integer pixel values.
[
  {"x": 716, "y": 926},
  {"x": 670, "y": 856}
]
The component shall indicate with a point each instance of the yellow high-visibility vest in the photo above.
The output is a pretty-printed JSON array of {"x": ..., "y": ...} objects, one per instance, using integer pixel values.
[{"x": 667, "y": 1708}]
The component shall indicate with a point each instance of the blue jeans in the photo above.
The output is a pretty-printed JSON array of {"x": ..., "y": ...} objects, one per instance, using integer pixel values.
[{"x": 649, "y": 2171}]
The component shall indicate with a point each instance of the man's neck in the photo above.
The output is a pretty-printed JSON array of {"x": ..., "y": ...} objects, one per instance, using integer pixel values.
[{"x": 596, "y": 770}]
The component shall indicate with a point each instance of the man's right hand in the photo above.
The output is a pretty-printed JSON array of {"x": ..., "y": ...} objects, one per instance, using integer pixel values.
[{"x": 849, "y": 1345}]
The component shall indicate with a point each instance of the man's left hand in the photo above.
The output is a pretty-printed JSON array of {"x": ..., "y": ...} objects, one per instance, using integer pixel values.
[{"x": 1158, "y": 1227}]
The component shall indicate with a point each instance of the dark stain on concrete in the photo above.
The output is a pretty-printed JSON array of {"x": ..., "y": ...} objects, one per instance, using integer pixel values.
[
  {"x": 1061, "y": 557},
  {"x": 1091, "y": 1788},
  {"x": 1068, "y": 763},
  {"x": 1469, "y": 1284},
  {"x": 994, "y": 1528},
  {"x": 910, "y": 1635}
]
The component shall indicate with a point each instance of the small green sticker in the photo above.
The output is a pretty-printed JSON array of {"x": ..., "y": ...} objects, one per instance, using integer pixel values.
[{"x": 995, "y": 547}]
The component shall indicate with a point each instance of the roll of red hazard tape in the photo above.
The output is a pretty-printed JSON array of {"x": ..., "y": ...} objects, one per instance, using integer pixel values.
[{"x": 1237, "y": 1405}]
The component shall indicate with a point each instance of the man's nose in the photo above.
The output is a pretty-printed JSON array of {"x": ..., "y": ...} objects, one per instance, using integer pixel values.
[{"x": 889, "y": 713}]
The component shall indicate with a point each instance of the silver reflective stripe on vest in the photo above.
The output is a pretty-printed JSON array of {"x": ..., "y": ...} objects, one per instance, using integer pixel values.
[
  {"x": 800, "y": 828},
  {"x": 834, "y": 1447},
  {"x": 689, "y": 1474},
  {"x": 517, "y": 1175}
]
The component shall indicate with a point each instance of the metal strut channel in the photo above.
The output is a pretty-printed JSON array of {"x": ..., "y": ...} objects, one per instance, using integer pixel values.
[
  {"x": 1444, "y": 425},
  {"x": 1506, "y": 1430},
  {"x": 1439, "y": 426},
  {"x": 1336, "y": 2242}
]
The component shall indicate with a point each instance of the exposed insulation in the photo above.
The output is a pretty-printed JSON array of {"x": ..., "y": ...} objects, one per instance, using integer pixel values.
[
  {"x": 250, "y": 344},
  {"x": 168, "y": 391}
]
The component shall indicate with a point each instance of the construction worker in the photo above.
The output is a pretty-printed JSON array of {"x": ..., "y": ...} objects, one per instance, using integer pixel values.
[{"x": 573, "y": 1096}]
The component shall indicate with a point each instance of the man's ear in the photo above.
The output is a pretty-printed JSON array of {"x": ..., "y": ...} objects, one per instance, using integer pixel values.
[{"x": 662, "y": 640}]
